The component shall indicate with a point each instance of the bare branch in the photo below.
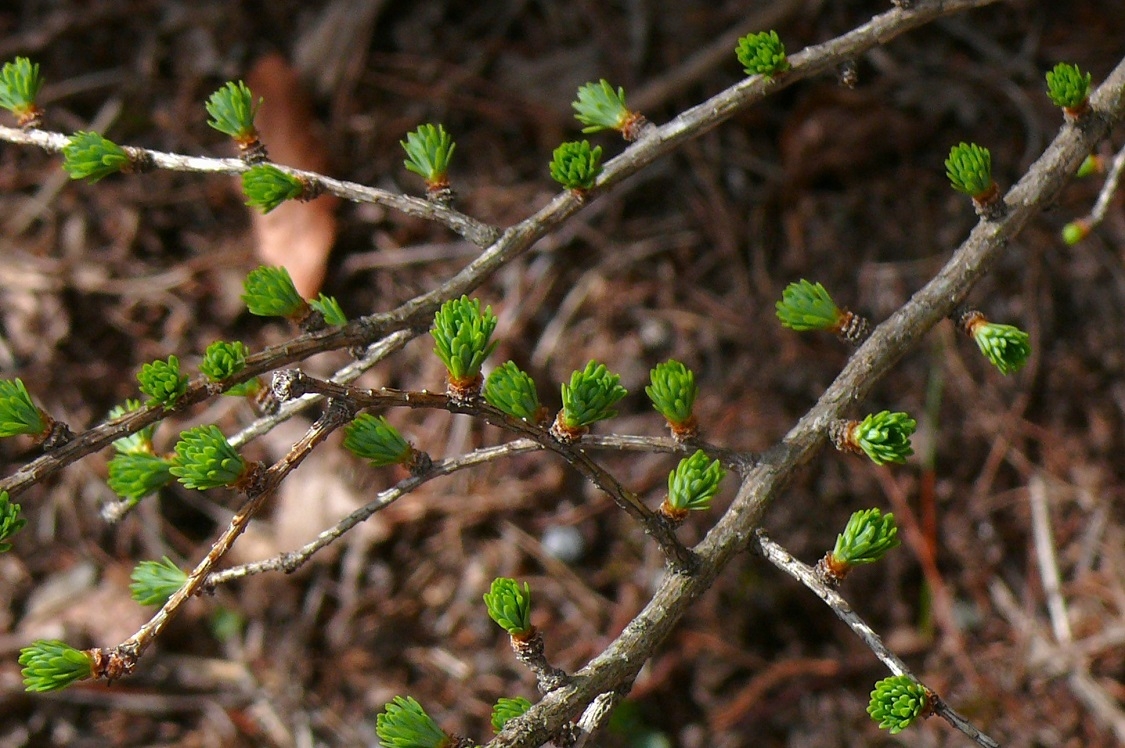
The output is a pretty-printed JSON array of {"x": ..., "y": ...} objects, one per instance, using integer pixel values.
[
  {"x": 122, "y": 658},
  {"x": 807, "y": 576},
  {"x": 654, "y": 524},
  {"x": 888, "y": 342},
  {"x": 293, "y": 560}
]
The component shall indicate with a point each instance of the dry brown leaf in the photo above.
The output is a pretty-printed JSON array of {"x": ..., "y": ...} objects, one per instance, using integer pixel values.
[{"x": 298, "y": 236}]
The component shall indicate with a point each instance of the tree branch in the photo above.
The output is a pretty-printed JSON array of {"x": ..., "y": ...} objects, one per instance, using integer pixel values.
[{"x": 620, "y": 662}]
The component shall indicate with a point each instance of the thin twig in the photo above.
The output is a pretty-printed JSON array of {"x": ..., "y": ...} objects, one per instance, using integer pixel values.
[
  {"x": 596, "y": 716},
  {"x": 1054, "y": 660},
  {"x": 296, "y": 383},
  {"x": 121, "y": 660},
  {"x": 620, "y": 661},
  {"x": 292, "y": 560},
  {"x": 1048, "y": 561},
  {"x": 480, "y": 234},
  {"x": 1112, "y": 179},
  {"x": 514, "y": 241},
  {"x": 807, "y": 576},
  {"x": 114, "y": 512}
]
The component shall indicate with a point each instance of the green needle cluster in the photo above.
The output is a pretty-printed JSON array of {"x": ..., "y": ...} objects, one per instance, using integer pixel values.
[
  {"x": 135, "y": 475},
  {"x": 163, "y": 382},
  {"x": 868, "y": 536},
  {"x": 506, "y": 709},
  {"x": 137, "y": 442},
  {"x": 599, "y": 107},
  {"x": 512, "y": 390},
  {"x": 404, "y": 724},
  {"x": 462, "y": 335},
  {"x": 1007, "y": 347},
  {"x": 373, "y": 439},
  {"x": 428, "y": 152},
  {"x": 232, "y": 109},
  {"x": 223, "y": 359},
  {"x": 89, "y": 156},
  {"x": 969, "y": 168},
  {"x": 50, "y": 665},
  {"x": 807, "y": 306},
  {"x": 269, "y": 292},
  {"x": 10, "y": 521},
  {"x": 509, "y": 605},
  {"x": 762, "y": 54},
  {"x": 576, "y": 166},
  {"x": 205, "y": 459},
  {"x": 18, "y": 414},
  {"x": 156, "y": 581},
  {"x": 267, "y": 187},
  {"x": 693, "y": 484},
  {"x": 590, "y": 396},
  {"x": 884, "y": 437},
  {"x": 330, "y": 309},
  {"x": 19, "y": 85},
  {"x": 672, "y": 391},
  {"x": 897, "y": 701},
  {"x": 1068, "y": 87}
]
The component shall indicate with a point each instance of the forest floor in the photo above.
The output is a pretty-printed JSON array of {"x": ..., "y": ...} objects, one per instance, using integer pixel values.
[{"x": 844, "y": 186}]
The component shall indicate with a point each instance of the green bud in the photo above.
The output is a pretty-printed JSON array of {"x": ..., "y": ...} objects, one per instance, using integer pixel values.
[
  {"x": 404, "y": 724},
  {"x": 1007, "y": 347},
  {"x": 969, "y": 168},
  {"x": 1068, "y": 87},
  {"x": 330, "y": 309},
  {"x": 139, "y": 442},
  {"x": 1092, "y": 164},
  {"x": 269, "y": 292},
  {"x": 373, "y": 439},
  {"x": 51, "y": 665},
  {"x": 89, "y": 156},
  {"x": 232, "y": 109},
  {"x": 1075, "y": 231},
  {"x": 18, "y": 414},
  {"x": 10, "y": 521},
  {"x": 693, "y": 484},
  {"x": 223, "y": 360},
  {"x": 19, "y": 85},
  {"x": 205, "y": 459},
  {"x": 897, "y": 701},
  {"x": 672, "y": 392},
  {"x": 590, "y": 396},
  {"x": 428, "y": 152},
  {"x": 163, "y": 382},
  {"x": 156, "y": 581},
  {"x": 506, "y": 709},
  {"x": 884, "y": 437},
  {"x": 807, "y": 306},
  {"x": 576, "y": 166},
  {"x": 599, "y": 107},
  {"x": 512, "y": 390},
  {"x": 267, "y": 187},
  {"x": 509, "y": 605},
  {"x": 135, "y": 475},
  {"x": 462, "y": 334},
  {"x": 762, "y": 54},
  {"x": 868, "y": 536}
]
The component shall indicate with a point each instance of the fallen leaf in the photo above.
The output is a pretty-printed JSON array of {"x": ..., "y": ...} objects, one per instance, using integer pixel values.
[{"x": 297, "y": 236}]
